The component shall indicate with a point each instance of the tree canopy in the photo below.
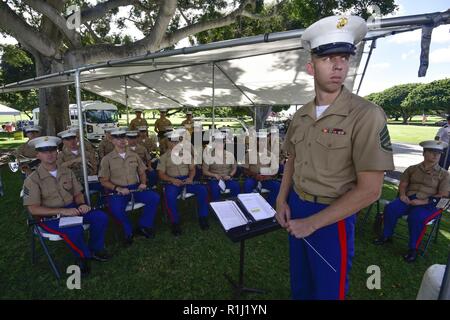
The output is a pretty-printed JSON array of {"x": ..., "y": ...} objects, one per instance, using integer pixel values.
[{"x": 45, "y": 29}]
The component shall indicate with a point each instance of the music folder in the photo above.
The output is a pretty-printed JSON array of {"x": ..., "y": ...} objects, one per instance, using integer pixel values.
[{"x": 246, "y": 216}]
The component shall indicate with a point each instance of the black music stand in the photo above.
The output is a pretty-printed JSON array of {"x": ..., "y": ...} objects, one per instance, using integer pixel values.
[{"x": 240, "y": 234}]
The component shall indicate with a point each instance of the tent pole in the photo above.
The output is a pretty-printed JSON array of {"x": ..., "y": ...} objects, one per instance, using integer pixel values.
[
  {"x": 126, "y": 101},
  {"x": 254, "y": 120},
  {"x": 373, "y": 45},
  {"x": 80, "y": 128},
  {"x": 213, "y": 95}
]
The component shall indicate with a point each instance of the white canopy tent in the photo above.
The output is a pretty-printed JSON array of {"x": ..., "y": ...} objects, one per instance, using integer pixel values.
[
  {"x": 7, "y": 111},
  {"x": 253, "y": 71}
]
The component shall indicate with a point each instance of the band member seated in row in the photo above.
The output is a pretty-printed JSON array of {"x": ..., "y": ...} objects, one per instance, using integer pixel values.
[
  {"x": 26, "y": 150},
  {"x": 421, "y": 186},
  {"x": 106, "y": 145},
  {"x": 149, "y": 142},
  {"x": 179, "y": 175},
  {"x": 132, "y": 139},
  {"x": 261, "y": 169},
  {"x": 70, "y": 157},
  {"x": 122, "y": 173},
  {"x": 53, "y": 191},
  {"x": 220, "y": 165}
]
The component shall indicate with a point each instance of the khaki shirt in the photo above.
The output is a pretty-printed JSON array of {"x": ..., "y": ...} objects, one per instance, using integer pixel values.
[
  {"x": 162, "y": 124},
  {"x": 262, "y": 167},
  {"x": 167, "y": 166},
  {"x": 136, "y": 123},
  {"x": 221, "y": 169},
  {"x": 149, "y": 143},
  {"x": 188, "y": 125},
  {"x": 122, "y": 172},
  {"x": 351, "y": 136},
  {"x": 105, "y": 147},
  {"x": 142, "y": 153},
  {"x": 66, "y": 155},
  {"x": 424, "y": 183},
  {"x": 42, "y": 189},
  {"x": 25, "y": 150}
]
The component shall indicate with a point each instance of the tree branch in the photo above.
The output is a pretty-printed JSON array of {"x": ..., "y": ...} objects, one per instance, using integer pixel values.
[
  {"x": 57, "y": 19},
  {"x": 165, "y": 14},
  {"x": 206, "y": 25},
  {"x": 101, "y": 9},
  {"x": 17, "y": 28}
]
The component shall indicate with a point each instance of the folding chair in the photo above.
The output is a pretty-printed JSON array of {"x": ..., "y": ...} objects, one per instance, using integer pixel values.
[
  {"x": 37, "y": 231},
  {"x": 181, "y": 197}
]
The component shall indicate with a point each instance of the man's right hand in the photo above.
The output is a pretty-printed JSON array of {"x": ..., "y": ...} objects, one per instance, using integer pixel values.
[
  {"x": 405, "y": 199},
  {"x": 177, "y": 182},
  {"x": 123, "y": 191},
  {"x": 283, "y": 213},
  {"x": 67, "y": 212}
]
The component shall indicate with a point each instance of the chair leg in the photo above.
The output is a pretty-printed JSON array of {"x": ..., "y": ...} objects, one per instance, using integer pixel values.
[
  {"x": 364, "y": 218},
  {"x": 33, "y": 247},
  {"x": 50, "y": 259},
  {"x": 438, "y": 222},
  {"x": 430, "y": 236}
]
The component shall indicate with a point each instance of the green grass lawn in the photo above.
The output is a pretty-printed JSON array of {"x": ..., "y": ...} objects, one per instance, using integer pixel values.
[
  {"x": 411, "y": 134},
  {"x": 192, "y": 266}
]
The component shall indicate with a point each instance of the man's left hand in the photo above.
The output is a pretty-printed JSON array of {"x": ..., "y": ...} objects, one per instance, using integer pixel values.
[
  {"x": 84, "y": 208},
  {"x": 142, "y": 186},
  {"x": 189, "y": 181}
]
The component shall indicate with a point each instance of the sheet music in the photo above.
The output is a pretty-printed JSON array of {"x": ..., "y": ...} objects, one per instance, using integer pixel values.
[
  {"x": 70, "y": 221},
  {"x": 443, "y": 203},
  {"x": 92, "y": 178},
  {"x": 222, "y": 185},
  {"x": 257, "y": 206},
  {"x": 229, "y": 214}
]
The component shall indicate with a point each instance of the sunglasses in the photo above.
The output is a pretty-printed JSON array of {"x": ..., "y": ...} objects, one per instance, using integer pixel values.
[{"x": 122, "y": 136}]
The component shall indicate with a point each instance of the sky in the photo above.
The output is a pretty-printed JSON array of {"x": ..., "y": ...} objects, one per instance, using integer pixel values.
[{"x": 396, "y": 59}]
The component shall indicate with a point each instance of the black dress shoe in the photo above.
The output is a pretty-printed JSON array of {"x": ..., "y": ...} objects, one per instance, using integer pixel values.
[
  {"x": 101, "y": 256},
  {"x": 411, "y": 256},
  {"x": 146, "y": 232},
  {"x": 128, "y": 241},
  {"x": 84, "y": 266},
  {"x": 381, "y": 241},
  {"x": 176, "y": 229},
  {"x": 203, "y": 222}
]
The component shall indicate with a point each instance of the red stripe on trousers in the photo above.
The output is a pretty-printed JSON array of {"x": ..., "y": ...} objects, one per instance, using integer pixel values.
[
  {"x": 425, "y": 227},
  {"x": 169, "y": 213},
  {"x": 65, "y": 237},
  {"x": 343, "y": 245}
]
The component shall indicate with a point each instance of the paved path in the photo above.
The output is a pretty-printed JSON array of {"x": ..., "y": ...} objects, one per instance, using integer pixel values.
[{"x": 406, "y": 155}]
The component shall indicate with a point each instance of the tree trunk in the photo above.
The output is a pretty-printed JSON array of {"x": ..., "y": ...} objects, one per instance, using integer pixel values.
[
  {"x": 405, "y": 117},
  {"x": 53, "y": 102},
  {"x": 262, "y": 113}
]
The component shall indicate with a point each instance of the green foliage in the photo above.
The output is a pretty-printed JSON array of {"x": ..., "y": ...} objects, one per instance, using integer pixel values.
[
  {"x": 391, "y": 101},
  {"x": 433, "y": 96},
  {"x": 17, "y": 64}
]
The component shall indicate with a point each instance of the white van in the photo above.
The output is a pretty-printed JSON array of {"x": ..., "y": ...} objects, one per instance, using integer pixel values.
[{"x": 97, "y": 116}]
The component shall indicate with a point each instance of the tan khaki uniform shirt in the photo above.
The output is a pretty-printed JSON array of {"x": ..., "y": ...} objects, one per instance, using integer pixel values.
[
  {"x": 167, "y": 166},
  {"x": 223, "y": 169},
  {"x": 105, "y": 147},
  {"x": 25, "y": 150},
  {"x": 142, "y": 153},
  {"x": 162, "y": 124},
  {"x": 188, "y": 125},
  {"x": 351, "y": 136},
  {"x": 149, "y": 143},
  {"x": 136, "y": 123},
  {"x": 66, "y": 155},
  {"x": 42, "y": 189},
  {"x": 262, "y": 168},
  {"x": 424, "y": 183},
  {"x": 122, "y": 172}
]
